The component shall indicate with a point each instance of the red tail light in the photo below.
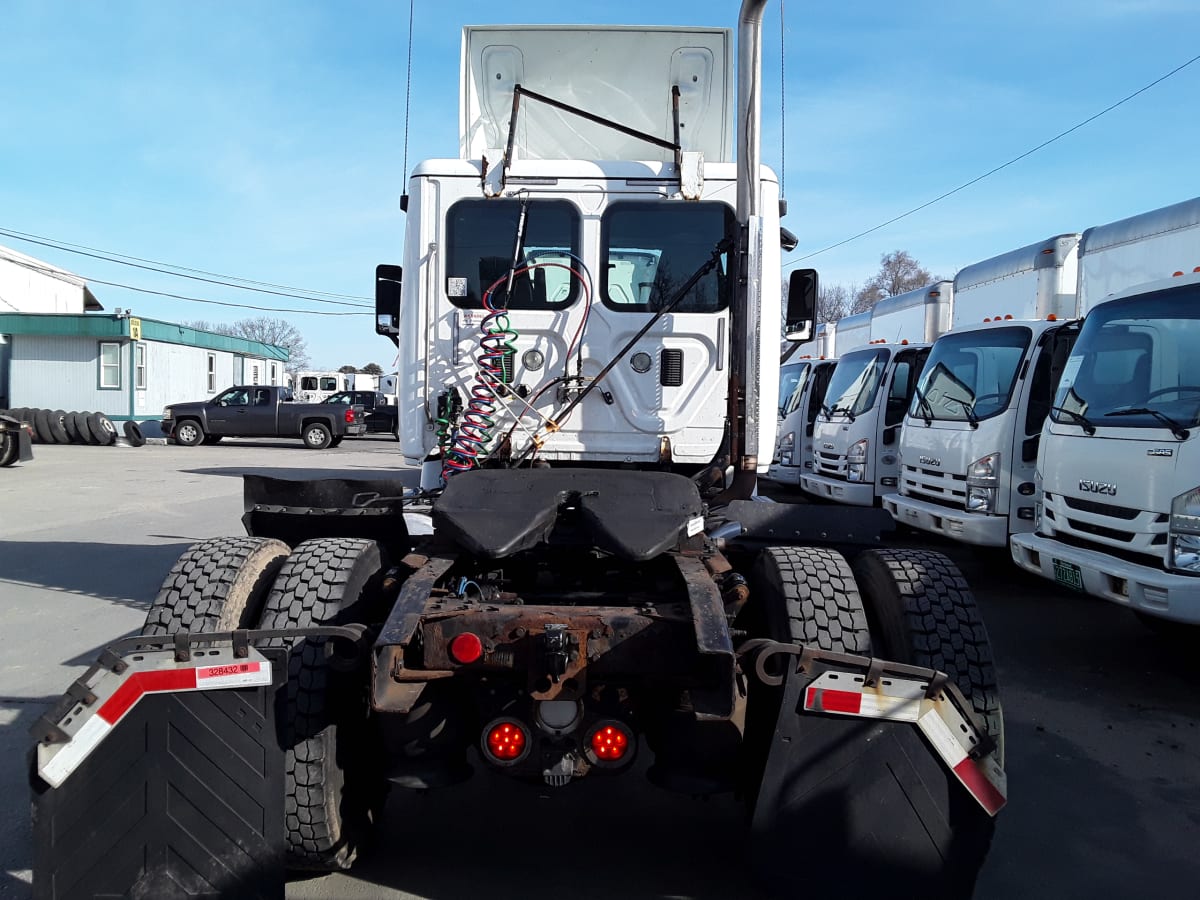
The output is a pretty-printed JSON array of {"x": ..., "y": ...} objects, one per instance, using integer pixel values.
[
  {"x": 466, "y": 648},
  {"x": 610, "y": 743},
  {"x": 506, "y": 741},
  {"x": 349, "y": 415}
]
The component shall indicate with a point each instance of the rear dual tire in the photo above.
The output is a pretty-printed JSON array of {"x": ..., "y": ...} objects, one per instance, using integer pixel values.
[{"x": 333, "y": 775}]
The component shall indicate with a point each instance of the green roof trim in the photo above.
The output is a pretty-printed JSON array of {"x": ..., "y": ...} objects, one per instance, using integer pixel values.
[
  {"x": 64, "y": 324},
  {"x": 107, "y": 326}
]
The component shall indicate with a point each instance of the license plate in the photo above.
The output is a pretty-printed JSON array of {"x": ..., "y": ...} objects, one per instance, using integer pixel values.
[{"x": 1068, "y": 574}]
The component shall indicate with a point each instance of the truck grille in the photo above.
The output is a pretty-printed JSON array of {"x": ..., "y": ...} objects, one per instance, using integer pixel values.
[
  {"x": 1106, "y": 527},
  {"x": 831, "y": 465},
  {"x": 1101, "y": 509},
  {"x": 947, "y": 489}
]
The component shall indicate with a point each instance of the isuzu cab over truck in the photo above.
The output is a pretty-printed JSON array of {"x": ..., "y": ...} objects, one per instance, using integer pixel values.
[
  {"x": 588, "y": 376},
  {"x": 1119, "y": 464},
  {"x": 794, "y": 446},
  {"x": 857, "y": 435},
  {"x": 968, "y": 448}
]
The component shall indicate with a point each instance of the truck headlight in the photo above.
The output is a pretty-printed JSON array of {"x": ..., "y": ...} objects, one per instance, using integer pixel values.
[
  {"x": 981, "y": 499},
  {"x": 167, "y": 414},
  {"x": 787, "y": 444},
  {"x": 1183, "y": 541},
  {"x": 856, "y": 461},
  {"x": 982, "y": 479},
  {"x": 985, "y": 470}
]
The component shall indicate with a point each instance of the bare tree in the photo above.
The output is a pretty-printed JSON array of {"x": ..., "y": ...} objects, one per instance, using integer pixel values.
[
  {"x": 279, "y": 332},
  {"x": 898, "y": 273},
  {"x": 833, "y": 302}
]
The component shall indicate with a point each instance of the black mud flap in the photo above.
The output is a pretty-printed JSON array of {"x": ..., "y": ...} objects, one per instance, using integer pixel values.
[
  {"x": 853, "y": 807},
  {"x": 183, "y": 799}
]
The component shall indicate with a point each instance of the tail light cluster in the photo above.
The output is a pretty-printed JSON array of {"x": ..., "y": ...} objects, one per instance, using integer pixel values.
[
  {"x": 349, "y": 415},
  {"x": 608, "y": 743}
]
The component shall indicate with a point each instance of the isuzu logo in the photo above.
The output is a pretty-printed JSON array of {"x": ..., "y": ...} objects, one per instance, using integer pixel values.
[
  {"x": 1160, "y": 451},
  {"x": 1098, "y": 487},
  {"x": 929, "y": 461},
  {"x": 827, "y": 445}
]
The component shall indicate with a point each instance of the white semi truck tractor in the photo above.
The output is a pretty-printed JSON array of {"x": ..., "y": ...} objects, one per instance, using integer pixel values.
[{"x": 588, "y": 374}]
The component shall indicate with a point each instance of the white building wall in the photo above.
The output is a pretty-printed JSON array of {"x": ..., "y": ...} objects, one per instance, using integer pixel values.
[
  {"x": 62, "y": 372},
  {"x": 26, "y": 286}
]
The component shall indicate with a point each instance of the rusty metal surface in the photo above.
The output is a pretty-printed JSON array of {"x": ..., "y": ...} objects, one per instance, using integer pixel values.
[
  {"x": 713, "y": 641},
  {"x": 406, "y": 613}
]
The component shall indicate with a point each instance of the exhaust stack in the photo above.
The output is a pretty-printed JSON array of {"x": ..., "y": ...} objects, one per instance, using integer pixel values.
[{"x": 745, "y": 325}]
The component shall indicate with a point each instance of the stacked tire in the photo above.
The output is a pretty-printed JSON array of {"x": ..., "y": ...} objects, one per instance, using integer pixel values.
[{"x": 54, "y": 426}]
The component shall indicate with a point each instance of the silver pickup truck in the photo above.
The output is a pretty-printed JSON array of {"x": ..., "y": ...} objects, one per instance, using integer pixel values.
[{"x": 261, "y": 411}]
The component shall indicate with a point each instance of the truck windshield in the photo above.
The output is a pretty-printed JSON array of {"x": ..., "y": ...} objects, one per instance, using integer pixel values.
[
  {"x": 970, "y": 376},
  {"x": 1136, "y": 363},
  {"x": 855, "y": 382},
  {"x": 791, "y": 385},
  {"x": 650, "y": 249},
  {"x": 344, "y": 397}
]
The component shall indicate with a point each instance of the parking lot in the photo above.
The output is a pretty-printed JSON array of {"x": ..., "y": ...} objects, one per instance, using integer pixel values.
[{"x": 1100, "y": 713}]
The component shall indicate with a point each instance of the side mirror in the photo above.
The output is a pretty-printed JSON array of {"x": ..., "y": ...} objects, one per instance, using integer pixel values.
[
  {"x": 801, "y": 305},
  {"x": 387, "y": 301}
]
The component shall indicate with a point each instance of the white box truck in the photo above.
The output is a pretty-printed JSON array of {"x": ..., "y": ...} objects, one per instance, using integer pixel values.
[
  {"x": 794, "y": 448},
  {"x": 1119, "y": 461},
  {"x": 855, "y": 440},
  {"x": 969, "y": 445}
]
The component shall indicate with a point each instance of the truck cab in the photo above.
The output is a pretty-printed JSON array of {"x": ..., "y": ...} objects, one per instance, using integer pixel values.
[
  {"x": 969, "y": 445},
  {"x": 1119, "y": 516},
  {"x": 855, "y": 452},
  {"x": 971, "y": 434},
  {"x": 794, "y": 448},
  {"x": 601, "y": 242}
]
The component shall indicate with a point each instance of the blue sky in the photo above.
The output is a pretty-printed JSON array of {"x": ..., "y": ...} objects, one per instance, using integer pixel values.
[{"x": 265, "y": 140}]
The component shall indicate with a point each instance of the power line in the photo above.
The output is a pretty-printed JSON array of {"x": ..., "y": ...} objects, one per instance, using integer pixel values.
[
  {"x": 152, "y": 266},
  {"x": 1015, "y": 159},
  {"x": 45, "y": 270}
]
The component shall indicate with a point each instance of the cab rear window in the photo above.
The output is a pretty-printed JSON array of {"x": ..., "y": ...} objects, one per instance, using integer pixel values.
[{"x": 480, "y": 235}]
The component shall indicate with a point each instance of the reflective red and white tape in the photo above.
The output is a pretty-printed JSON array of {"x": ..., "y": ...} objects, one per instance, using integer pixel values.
[
  {"x": 948, "y": 732},
  {"x": 117, "y": 694}
]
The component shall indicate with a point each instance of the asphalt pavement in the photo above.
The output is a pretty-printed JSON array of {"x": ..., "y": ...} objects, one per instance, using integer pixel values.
[{"x": 1101, "y": 714}]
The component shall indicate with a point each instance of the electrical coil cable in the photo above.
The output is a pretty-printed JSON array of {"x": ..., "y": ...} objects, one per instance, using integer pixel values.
[
  {"x": 496, "y": 341},
  {"x": 445, "y": 421}
]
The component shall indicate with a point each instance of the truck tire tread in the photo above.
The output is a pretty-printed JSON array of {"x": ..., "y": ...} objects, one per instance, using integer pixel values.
[
  {"x": 331, "y": 799},
  {"x": 216, "y": 585},
  {"x": 821, "y": 601},
  {"x": 926, "y": 615}
]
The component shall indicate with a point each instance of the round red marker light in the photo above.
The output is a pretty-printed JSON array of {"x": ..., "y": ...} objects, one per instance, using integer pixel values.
[
  {"x": 609, "y": 743},
  {"x": 506, "y": 741},
  {"x": 466, "y": 648}
]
